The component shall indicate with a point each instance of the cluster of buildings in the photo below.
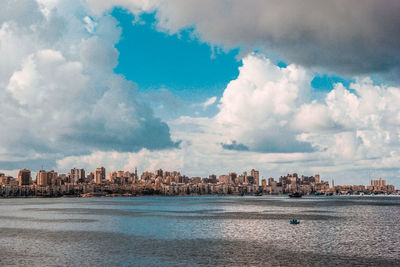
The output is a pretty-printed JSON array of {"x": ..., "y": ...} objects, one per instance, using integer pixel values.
[
  {"x": 314, "y": 185},
  {"x": 160, "y": 182},
  {"x": 377, "y": 187}
]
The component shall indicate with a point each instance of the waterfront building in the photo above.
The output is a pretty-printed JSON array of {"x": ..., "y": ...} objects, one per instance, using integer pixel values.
[
  {"x": 52, "y": 177},
  {"x": 41, "y": 178},
  {"x": 212, "y": 178},
  {"x": 5, "y": 180},
  {"x": 317, "y": 178},
  {"x": 100, "y": 175},
  {"x": 378, "y": 183},
  {"x": 264, "y": 183},
  {"x": 256, "y": 176},
  {"x": 250, "y": 179},
  {"x": 246, "y": 181},
  {"x": 120, "y": 177},
  {"x": 240, "y": 179},
  {"x": 390, "y": 188},
  {"x": 77, "y": 175},
  {"x": 44, "y": 178},
  {"x": 135, "y": 177},
  {"x": 226, "y": 179},
  {"x": 233, "y": 177},
  {"x": 89, "y": 177},
  {"x": 158, "y": 172},
  {"x": 24, "y": 177},
  {"x": 112, "y": 176},
  {"x": 271, "y": 181},
  {"x": 195, "y": 180}
]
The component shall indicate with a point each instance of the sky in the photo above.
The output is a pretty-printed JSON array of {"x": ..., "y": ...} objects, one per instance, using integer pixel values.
[{"x": 202, "y": 87}]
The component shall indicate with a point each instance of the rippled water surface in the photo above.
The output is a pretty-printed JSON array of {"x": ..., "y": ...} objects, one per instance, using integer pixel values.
[{"x": 227, "y": 231}]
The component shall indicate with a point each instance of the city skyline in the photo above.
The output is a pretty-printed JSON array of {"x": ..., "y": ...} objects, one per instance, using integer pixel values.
[
  {"x": 173, "y": 183},
  {"x": 202, "y": 86},
  {"x": 99, "y": 176},
  {"x": 263, "y": 175}
]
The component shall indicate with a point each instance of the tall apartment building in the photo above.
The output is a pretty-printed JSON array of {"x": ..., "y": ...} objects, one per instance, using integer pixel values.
[
  {"x": 24, "y": 177},
  {"x": 271, "y": 181},
  {"x": 77, "y": 175},
  {"x": 256, "y": 175},
  {"x": 41, "y": 178},
  {"x": 226, "y": 179},
  {"x": 100, "y": 175},
  {"x": 246, "y": 180},
  {"x": 135, "y": 177},
  {"x": 44, "y": 178},
  {"x": 378, "y": 183},
  {"x": 264, "y": 183},
  {"x": 317, "y": 178}
]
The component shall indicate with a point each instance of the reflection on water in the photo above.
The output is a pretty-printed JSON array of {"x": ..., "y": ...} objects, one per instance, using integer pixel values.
[{"x": 232, "y": 231}]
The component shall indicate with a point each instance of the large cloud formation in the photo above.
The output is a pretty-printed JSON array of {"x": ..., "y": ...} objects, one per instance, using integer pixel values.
[
  {"x": 58, "y": 91},
  {"x": 256, "y": 108},
  {"x": 268, "y": 120},
  {"x": 357, "y": 123},
  {"x": 344, "y": 36},
  {"x": 269, "y": 109}
]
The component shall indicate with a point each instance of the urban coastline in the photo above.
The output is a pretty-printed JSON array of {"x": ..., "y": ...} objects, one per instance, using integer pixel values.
[{"x": 165, "y": 183}]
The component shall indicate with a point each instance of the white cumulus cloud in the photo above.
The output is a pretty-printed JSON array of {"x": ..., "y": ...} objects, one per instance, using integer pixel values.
[
  {"x": 59, "y": 92},
  {"x": 257, "y": 107}
]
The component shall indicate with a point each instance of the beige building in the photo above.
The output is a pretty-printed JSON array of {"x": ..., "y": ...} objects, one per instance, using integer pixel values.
[
  {"x": 100, "y": 175},
  {"x": 256, "y": 175},
  {"x": 378, "y": 183},
  {"x": 226, "y": 179},
  {"x": 5, "y": 179},
  {"x": 41, "y": 178},
  {"x": 44, "y": 178},
  {"x": 317, "y": 178},
  {"x": 264, "y": 183},
  {"x": 77, "y": 175}
]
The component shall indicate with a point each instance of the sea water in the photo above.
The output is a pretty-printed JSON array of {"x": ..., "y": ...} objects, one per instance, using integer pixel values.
[{"x": 205, "y": 230}]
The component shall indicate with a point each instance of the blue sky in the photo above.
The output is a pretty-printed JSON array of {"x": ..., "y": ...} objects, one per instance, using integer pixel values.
[{"x": 182, "y": 64}]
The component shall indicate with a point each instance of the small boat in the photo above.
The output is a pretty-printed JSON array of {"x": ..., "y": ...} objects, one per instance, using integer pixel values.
[
  {"x": 296, "y": 194},
  {"x": 294, "y": 221}
]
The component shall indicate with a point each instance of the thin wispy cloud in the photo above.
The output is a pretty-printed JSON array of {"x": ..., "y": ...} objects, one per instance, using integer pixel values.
[{"x": 209, "y": 102}]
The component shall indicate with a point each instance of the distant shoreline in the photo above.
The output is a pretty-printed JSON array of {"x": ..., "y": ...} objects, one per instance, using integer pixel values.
[{"x": 198, "y": 195}]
